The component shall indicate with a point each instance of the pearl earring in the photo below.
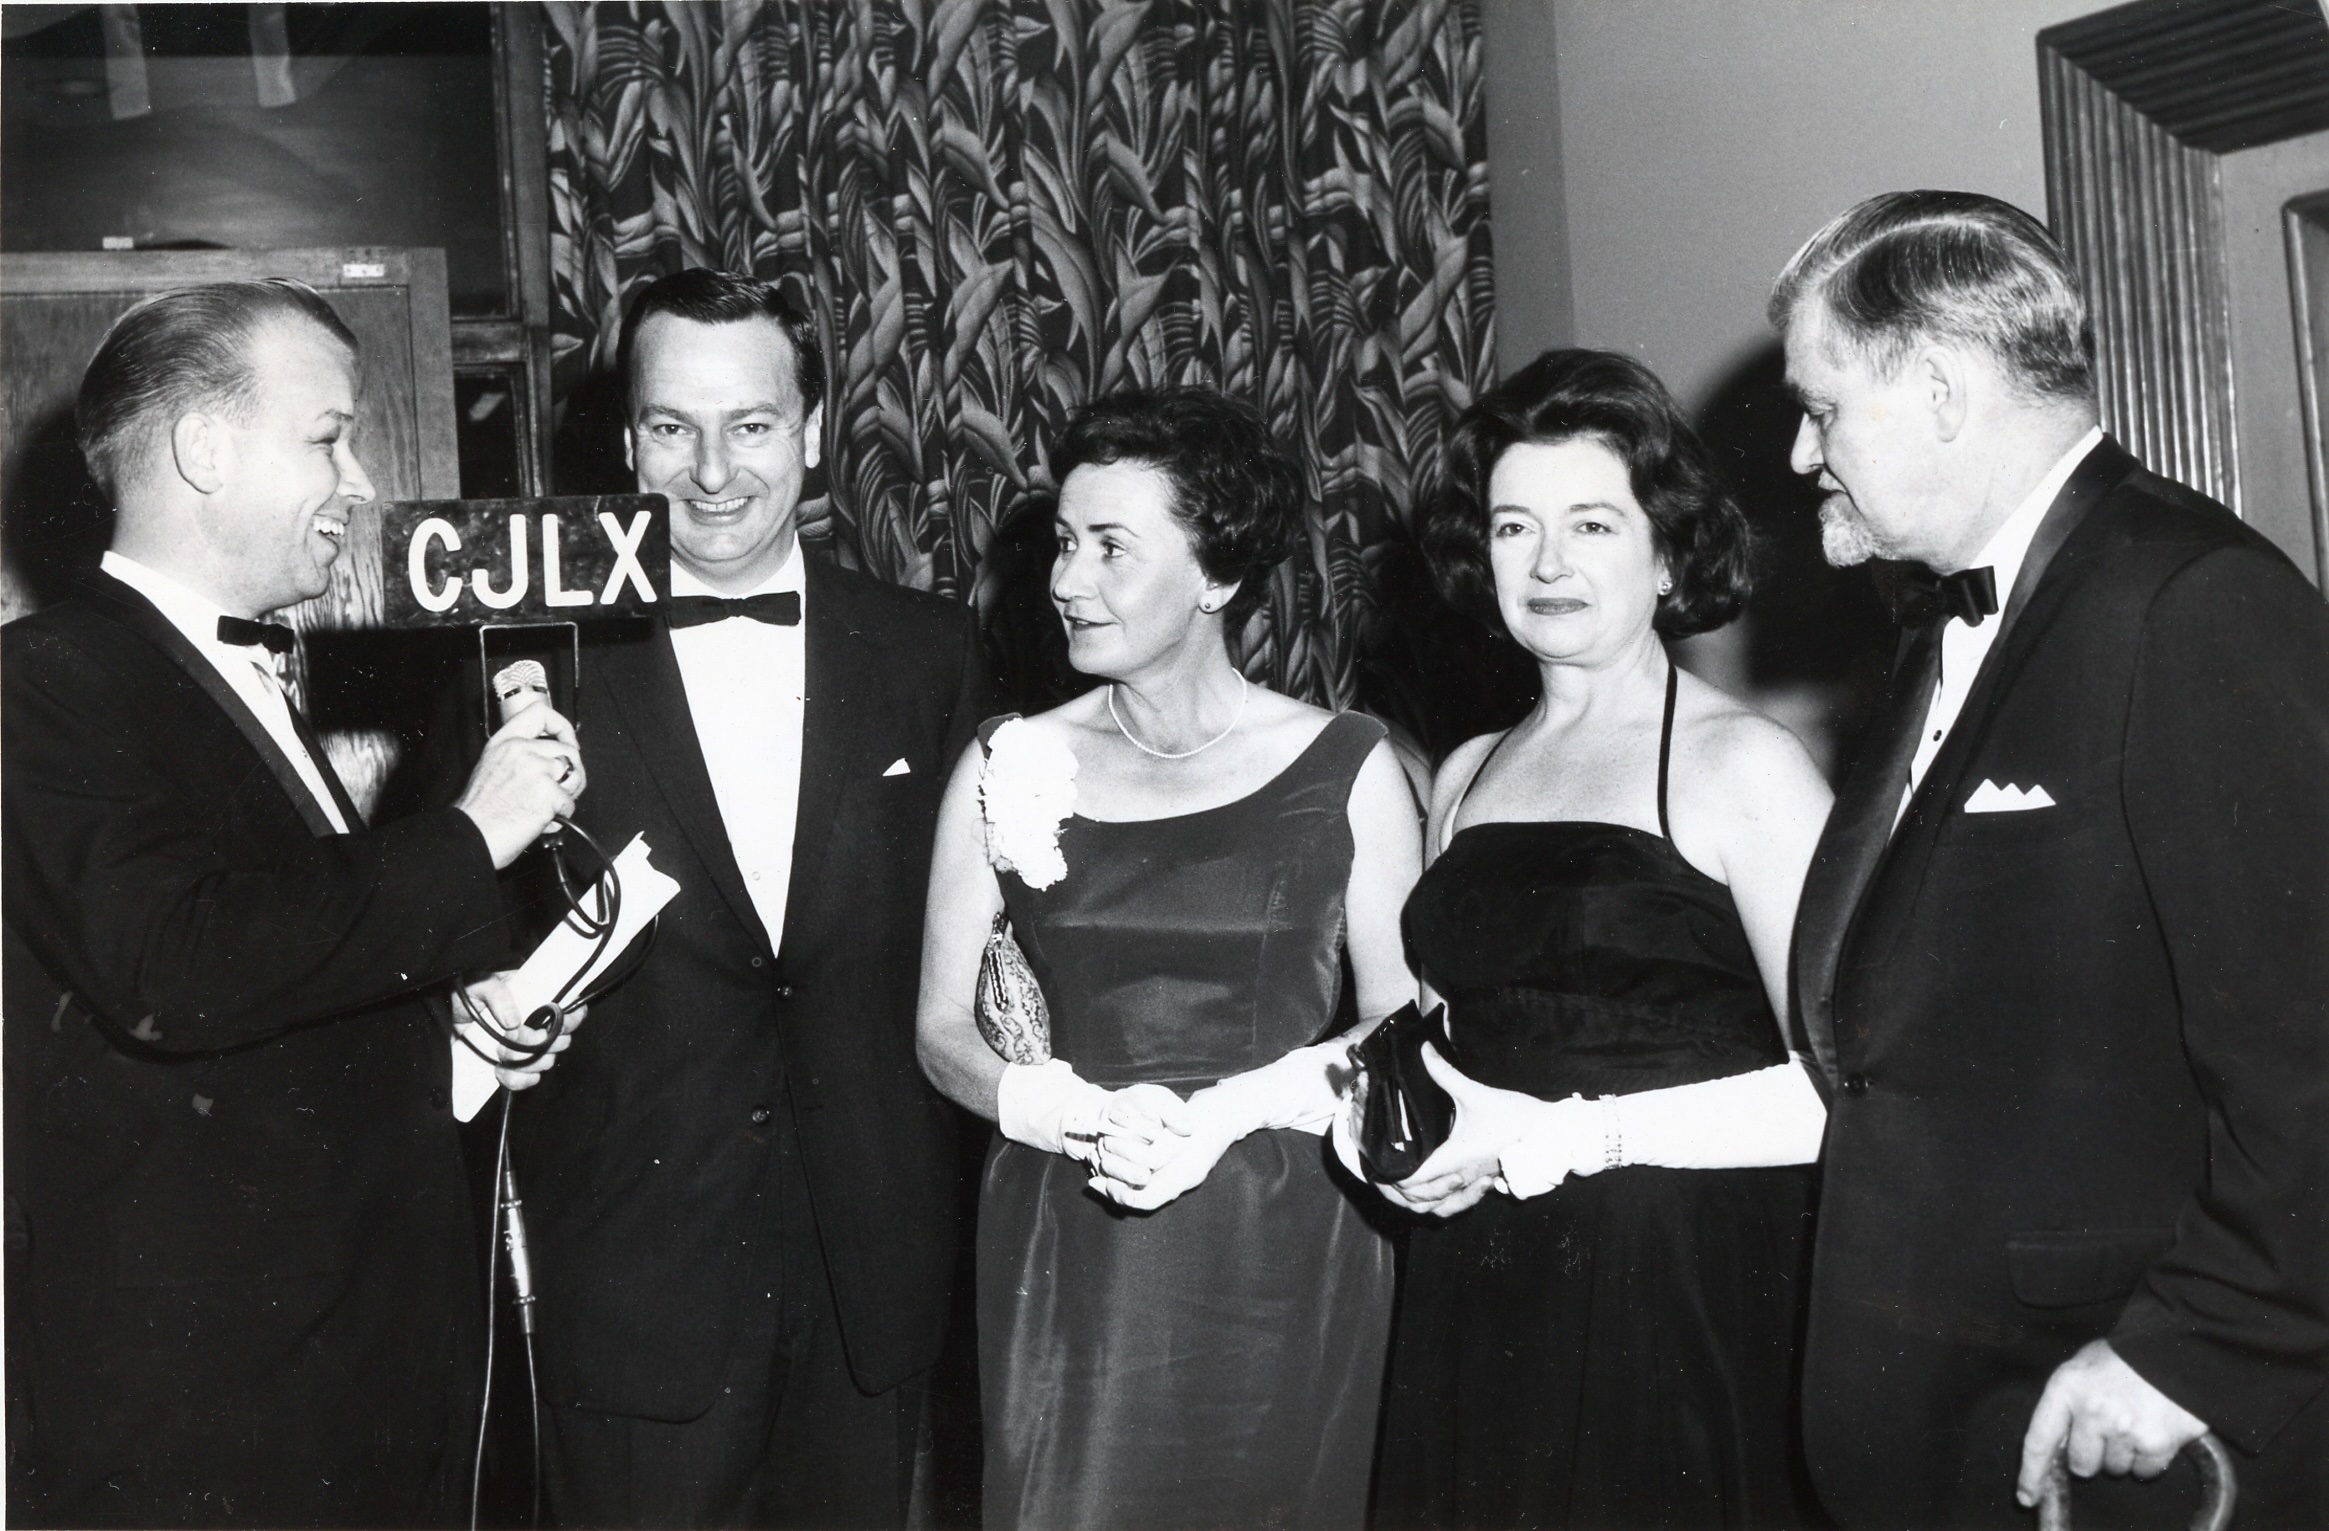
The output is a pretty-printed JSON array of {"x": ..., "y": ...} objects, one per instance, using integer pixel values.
[{"x": 1665, "y": 587}]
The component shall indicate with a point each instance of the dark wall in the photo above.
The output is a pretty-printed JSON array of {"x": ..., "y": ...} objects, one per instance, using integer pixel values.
[{"x": 389, "y": 142}]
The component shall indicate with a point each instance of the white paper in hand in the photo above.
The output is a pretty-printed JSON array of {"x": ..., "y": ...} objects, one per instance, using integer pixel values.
[{"x": 567, "y": 949}]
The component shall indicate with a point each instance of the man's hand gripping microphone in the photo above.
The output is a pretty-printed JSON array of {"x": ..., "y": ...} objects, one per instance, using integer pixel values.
[{"x": 529, "y": 776}]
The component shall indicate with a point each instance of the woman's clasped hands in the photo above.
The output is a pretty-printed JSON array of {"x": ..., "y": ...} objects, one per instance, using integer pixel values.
[
  {"x": 1150, "y": 1146},
  {"x": 1502, "y": 1140}
]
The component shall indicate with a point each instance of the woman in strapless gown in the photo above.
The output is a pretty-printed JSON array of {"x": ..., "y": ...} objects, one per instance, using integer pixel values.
[
  {"x": 1183, "y": 1310},
  {"x": 1599, "y": 1322}
]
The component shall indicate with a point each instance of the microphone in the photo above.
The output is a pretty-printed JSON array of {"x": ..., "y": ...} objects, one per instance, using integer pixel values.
[
  {"x": 519, "y": 686},
  {"x": 529, "y": 572},
  {"x": 515, "y": 687}
]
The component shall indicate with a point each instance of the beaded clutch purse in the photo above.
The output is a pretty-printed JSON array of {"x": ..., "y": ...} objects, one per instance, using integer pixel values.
[{"x": 1009, "y": 1003}]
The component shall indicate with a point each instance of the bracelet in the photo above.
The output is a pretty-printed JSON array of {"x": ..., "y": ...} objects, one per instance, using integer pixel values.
[{"x": 1612, "y": 1134}]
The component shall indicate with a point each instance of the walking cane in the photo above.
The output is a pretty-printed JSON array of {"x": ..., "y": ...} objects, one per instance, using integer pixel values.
[{"x": 2219, "y": 1489}]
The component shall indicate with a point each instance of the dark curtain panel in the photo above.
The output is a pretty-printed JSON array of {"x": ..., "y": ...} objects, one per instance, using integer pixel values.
[{"x": 1000, "y": 210}]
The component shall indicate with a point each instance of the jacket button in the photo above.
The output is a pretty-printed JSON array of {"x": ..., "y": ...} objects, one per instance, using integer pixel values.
[
  {"x": 1855, "y": 1084},
  {"x": 784, "y": 991},
  {"x": 760, "y": 1116}
]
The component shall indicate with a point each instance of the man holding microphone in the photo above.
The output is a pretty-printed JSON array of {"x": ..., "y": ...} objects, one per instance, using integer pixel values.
[{"x": 243, "y": 1281}]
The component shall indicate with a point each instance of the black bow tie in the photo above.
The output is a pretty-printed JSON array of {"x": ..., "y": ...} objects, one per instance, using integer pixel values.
[
  {"x": 783, "y": 608},
  {"x": 243, "y": 634},
  {"x": 1918, "y": 595}
]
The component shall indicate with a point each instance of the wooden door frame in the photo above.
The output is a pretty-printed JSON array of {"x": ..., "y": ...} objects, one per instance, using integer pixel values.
[
  {"x": 2305, "y": 225},
  {"x": 2135, "y": 193},
  {"x": 418, "y": 272},
  {"x": 518, "y": 340}
]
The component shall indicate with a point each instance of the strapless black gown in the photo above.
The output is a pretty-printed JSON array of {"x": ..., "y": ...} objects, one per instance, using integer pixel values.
[
  {"x": 1217, "y": 1362},
  {"x": 1620, "y": 1351}
]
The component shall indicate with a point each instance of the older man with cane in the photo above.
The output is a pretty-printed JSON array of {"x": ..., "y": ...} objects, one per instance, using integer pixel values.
[{"x": 2064, "y": 951}]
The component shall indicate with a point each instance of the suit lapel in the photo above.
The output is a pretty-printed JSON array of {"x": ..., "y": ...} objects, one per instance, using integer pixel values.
[
  {"x": 2038, "y": 589},
  {"x": 139, "y": 615},
  {"x": 1860, "y": 840},
  {"x": 842, "y": 681},
  {"x": 350, "y": 815},
  {"x": 1853, "y": 844},
  {"x": 644, "y": 683}
]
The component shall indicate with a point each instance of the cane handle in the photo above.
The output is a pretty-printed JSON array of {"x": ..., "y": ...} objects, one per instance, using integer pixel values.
[{"x": 2219, "y": 1488}]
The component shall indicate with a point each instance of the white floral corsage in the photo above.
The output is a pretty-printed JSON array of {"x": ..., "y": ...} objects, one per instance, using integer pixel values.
[{"x": 1027, "y": 789}]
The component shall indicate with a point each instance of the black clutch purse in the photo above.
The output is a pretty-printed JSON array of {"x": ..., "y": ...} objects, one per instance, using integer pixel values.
[{"x": 1404, "y": 1114}]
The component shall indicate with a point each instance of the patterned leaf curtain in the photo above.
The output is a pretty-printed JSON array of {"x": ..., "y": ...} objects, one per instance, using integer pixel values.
[{"x": 999, "y": 210}]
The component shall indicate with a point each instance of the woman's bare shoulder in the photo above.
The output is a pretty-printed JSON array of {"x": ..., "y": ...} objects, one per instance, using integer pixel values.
[
  {"x": 1728, "y": 752},
  {"x": 1071, "y": 718},
  {"x": 1455, "y": 774},
  {"x": 1275, "y": 709},
  {"x": 1456, "y": 771}
]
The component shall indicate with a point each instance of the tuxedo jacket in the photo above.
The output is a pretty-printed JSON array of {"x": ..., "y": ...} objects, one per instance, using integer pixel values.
[
  {"x": 2079, "y": 1052},
  {"x": 241, "y": 1261},
  {"x": 647, "y": 1158}
]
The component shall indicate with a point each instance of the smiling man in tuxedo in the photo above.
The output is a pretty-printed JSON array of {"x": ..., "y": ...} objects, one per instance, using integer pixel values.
[
  {"x": 743, "y": 1192},
  {"x": 2064, "y": 949},
  {"x": 242, "y": 1279}
]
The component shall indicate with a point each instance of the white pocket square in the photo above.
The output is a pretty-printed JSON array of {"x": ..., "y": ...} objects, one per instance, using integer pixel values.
[
  {"x": 1989, "y": 797},
  {"x": 898, "y": 767}
]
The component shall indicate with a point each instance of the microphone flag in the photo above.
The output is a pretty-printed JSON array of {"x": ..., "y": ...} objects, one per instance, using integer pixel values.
[{"x": 572, "y": 558}]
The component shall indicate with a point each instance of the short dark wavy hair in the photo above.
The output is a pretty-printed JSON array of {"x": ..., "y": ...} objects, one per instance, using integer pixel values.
[
  {"x": 1233, "y": 487},
  {"x": 1907, "y": 266},
  {"x": 707, "y": 296},
  {"x": 1568, "y": 395},
  {"x": 180, "y": 351}
]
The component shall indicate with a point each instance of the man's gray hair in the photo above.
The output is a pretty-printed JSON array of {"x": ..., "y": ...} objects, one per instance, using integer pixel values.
[{"x": 1909, "y": 266}]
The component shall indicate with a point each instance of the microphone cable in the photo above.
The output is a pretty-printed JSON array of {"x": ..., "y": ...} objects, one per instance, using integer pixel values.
[
  {"x": 598, "y": 928},
  {"x": 508, "y": 1222},
  {"x": 492, "y": 1329}
]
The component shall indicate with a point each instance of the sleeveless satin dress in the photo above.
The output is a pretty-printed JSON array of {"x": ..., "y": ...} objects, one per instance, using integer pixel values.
[
  {"x": 1620, "y": 1351},
  {"x": 1217, "y": 1362}
]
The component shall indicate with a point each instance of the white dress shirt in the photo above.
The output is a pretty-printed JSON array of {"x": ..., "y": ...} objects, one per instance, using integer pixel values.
[
  {"x": 746, "y": 681},
  {"x": 248, "y": 668},
  {"x": 1964, "y": 648}
]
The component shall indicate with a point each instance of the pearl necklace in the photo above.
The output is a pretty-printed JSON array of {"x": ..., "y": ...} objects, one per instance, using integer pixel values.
[{"x": 1243, "y": 694}]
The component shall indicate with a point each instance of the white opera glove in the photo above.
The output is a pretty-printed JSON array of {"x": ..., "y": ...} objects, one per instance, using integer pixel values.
[
  {"x": 1052, "y": 1107},
  {"x": 1550, "y": 1141},
  {"x": 1757, "y": 1120},
  {"x": 1495, "y": 1130},
  {"x": 1301, "y": 1091},
  {"x": 1297, "y": 1091}
]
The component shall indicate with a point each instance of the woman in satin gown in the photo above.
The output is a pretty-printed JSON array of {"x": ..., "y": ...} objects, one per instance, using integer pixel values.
[
  {"x": 1598, "y": 1325},
  {"x": 1183, "y": 1309}
]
